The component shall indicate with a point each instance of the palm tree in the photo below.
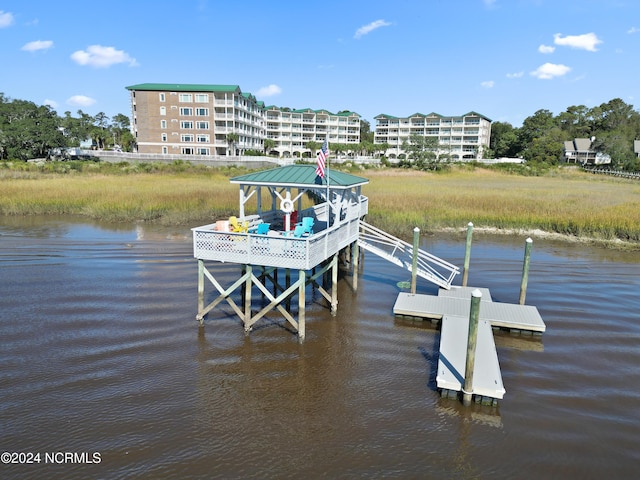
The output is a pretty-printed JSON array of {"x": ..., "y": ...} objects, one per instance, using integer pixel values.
[
  {"x": 268, "y": 145},
  {"x": 232, "y": 139}
]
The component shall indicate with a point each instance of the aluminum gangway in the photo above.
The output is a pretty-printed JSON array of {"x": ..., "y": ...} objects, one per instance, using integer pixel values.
[{"x": 399, "y": 252}]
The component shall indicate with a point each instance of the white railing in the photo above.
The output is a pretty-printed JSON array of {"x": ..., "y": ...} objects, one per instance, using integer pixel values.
[
  {"x": 277, "y": 250},
  {"x": 399, "y": 252}
]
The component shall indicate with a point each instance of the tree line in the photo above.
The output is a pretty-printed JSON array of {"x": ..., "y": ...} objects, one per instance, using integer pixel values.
[
  {"x": 615, "y": 125},
  {"x": 29, "y": 131}
]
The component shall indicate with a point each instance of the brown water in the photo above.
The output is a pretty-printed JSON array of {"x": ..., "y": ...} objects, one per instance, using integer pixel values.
[{"x": 100, "y": 353}]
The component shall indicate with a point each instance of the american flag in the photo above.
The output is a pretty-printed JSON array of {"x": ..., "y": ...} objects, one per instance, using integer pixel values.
[{"x": 322, "y": 157}]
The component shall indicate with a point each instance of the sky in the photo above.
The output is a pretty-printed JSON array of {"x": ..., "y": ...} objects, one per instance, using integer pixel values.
[{"x": 504, "y": 59}]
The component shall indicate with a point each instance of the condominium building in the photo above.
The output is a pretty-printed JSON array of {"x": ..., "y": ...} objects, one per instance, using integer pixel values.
[
  {"x": 291, "y": 130},
  {"x": 191, "y": 119},
  {"x": 459, "y": 138}
]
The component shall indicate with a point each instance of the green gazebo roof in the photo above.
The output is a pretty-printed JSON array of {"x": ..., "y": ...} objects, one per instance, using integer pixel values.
[{"x": 301, "y": 176}]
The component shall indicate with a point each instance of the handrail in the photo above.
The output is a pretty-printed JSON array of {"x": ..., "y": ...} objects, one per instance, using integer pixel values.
[{"x": 397, "y": 251}]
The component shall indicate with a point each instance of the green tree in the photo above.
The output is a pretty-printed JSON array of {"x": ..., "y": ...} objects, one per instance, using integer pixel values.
[
  {"x": 575, "y": 122},
  {"x": 268, "y": 145},
  {"x": 28, "y": 130},
  {"x": 504, "y": 140},
  {"x": 546, "y": 148},
  {"x": 313, "y": 147},
  {"x": 536, "y": 126},
  {"x": 120, "y": 126},
  {"x": 423, "y": 150},
  {"x": 366, "y": 135},
  {"x": 232, "y": 140}
]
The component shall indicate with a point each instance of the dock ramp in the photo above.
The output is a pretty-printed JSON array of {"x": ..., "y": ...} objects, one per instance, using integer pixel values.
[{"x": 399, "y": 252}]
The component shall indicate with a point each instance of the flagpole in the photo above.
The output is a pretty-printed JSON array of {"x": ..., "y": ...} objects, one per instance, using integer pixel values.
[{"x": 328, "y": 193}]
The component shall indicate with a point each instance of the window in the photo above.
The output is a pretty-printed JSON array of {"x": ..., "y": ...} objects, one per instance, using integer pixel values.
[
  {"x": 202, "y": 112},
  {"x": 201, "y": 138},
  {"x": 165, "y": 150},
  {"x": 188, "y": 151},
  {"x": 202, "y": 125},
  {"x": 186, "y": 124},
  {"x": 163, "y": 110},
  {"x": 188, "y": 137},
  {"x": 163, "y": 124},
  {"x": 162, "y": 97},
  {"x": 202, "y": 151},
  {"x": 185, "y": 98},
  {"x": 202, "y": 97},
  {"x": 186, "y": 111},
  {"x": 164, "y": 137}
]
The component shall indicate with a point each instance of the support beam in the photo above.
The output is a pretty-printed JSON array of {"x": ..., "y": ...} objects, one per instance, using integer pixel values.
[
  {"x": 334, "y": 285},
  {"x": 354, "y": 262},
  {"x": 301, "y": 305},
  {"x": 247, "y": 296},
  {"x": 200, "y": 290},
  {"x": 256, "y": 275}
]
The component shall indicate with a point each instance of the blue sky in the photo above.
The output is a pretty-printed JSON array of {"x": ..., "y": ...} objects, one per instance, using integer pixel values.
[{"x": 505, "y": 59}]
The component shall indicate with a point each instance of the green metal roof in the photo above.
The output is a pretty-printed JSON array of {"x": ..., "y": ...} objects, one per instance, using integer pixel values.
[
  {"x": 300, "y": 176},
  {"x": 183, "y": 87},
  {"x": 342, "y": 113},
  {"x": 432, "y": 114}
]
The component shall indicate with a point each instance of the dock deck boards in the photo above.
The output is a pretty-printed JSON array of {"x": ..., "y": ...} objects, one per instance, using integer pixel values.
[
  {"x": 456, "y": 303},
  {"x": 487, "y": 378}
]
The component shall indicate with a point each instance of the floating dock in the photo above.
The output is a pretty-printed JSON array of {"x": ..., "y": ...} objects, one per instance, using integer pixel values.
[
  {"x": 487, "y": 378},
  {"x": 457, "y": 302},
  {"x": 452, "y": 307}
]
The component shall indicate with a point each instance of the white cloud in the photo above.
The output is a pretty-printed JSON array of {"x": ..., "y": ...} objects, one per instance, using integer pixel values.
[
  {"x": 51, "y": 103},
  {"x": 489, "y": 3},
  {"x": 587, "y": 41},
  {"x": 80, "y": 101},
  {"x": 633, "y": 30},
  {"x": 102, "y": 57},
  {"x": 370, "y": 28},
  {"x": 515, "y": 75},
  {"x": 487, "y": 84},
  {"x": 6, "y": 19},
  {"x": 37, "y": 45},
  {"x": 546, "y": 49},
  {"x": 269, "y": 91},
  {"x": 550, "y": 70}
]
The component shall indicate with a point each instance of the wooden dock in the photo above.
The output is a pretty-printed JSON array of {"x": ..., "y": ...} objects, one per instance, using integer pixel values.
[{"x": 452, "y": 308}]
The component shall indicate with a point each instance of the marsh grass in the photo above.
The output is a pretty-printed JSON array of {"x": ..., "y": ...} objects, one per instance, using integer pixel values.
[
  {"x": 567, "y": 202},
  {"x": 570, "y": 204}
]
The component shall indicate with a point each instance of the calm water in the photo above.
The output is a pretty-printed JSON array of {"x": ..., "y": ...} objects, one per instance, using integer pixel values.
[{"x": 100, "y": 353}]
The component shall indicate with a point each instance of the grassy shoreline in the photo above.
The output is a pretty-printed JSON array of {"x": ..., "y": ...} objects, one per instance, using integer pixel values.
[{"x": 565, "y": 203}]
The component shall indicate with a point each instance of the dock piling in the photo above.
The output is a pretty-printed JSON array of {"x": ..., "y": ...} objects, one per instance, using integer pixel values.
[
  {"x": 474, "y": 314},
  {"x": 467, "y": 255},
  {"x": 414, "y": 262},
  {"x": 525, "y": 269}
]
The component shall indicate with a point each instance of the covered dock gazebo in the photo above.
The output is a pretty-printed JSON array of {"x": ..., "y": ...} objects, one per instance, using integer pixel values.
[{"x": 308, "y": 221}]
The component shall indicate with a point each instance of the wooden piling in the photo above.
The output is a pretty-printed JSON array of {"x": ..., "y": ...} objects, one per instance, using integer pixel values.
[
  {"x": 247, "y": 295},
  {"x": 200, "y": 290},
  {"x": 525, "y": 269},
  {"x": 414, "y": 261},
  {"x": 467, "y": 255},
  {"x": 474, "y": 314},
  {"x": 334, "y": 285},
  {"x": 354, "y": 264},
  {"x": 301, "y": 305}
]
